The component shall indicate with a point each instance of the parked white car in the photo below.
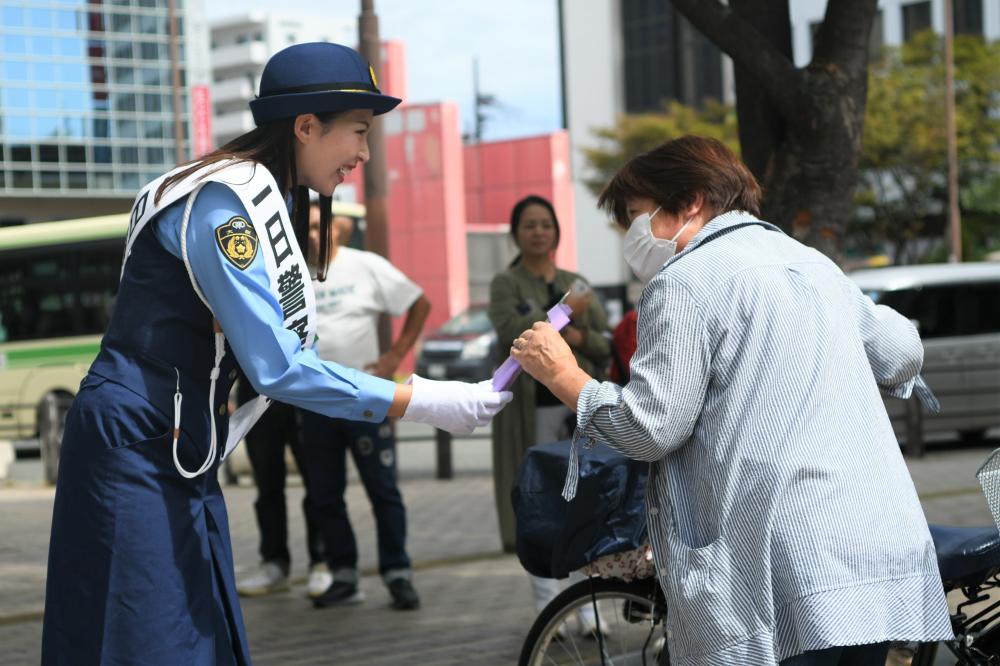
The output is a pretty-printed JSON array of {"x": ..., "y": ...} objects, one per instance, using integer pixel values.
[{"x": 957, "y": 310}]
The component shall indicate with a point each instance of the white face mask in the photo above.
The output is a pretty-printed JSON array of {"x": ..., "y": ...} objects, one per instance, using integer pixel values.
[{"x": 644, "y": 252}]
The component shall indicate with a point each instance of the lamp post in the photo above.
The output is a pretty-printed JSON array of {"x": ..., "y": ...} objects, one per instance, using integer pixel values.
[
  {"x": 376, "y": 190},
  {"x": 954, "y": 214},
  {"x": 376, "y": 217}
]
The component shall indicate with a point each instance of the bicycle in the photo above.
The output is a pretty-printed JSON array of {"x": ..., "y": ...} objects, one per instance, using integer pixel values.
[
  {"x": 629, "y": 629},
  {"x": 631, "y": 616}
]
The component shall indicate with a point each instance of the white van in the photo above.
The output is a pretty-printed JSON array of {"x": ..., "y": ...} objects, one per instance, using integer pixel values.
[{"x": 957, "y": 310}]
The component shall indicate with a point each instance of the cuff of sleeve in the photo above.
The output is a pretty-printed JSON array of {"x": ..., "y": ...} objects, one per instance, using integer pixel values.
[
  {"x": 902, "y": 391},
  {"x": 374, "y": 399},
  {"x": 917, "y": 385},
  {"x": 593, "y": 396}
]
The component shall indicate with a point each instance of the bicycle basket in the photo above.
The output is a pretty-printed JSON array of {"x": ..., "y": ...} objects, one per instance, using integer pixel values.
[{"x": 989, "y": 479}]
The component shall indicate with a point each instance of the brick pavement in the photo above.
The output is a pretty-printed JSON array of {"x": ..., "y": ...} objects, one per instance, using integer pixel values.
[{"x": 477, "y": 608}]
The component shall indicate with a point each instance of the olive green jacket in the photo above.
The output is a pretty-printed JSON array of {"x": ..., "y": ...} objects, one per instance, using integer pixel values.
[{"x": 517, "y": 300}]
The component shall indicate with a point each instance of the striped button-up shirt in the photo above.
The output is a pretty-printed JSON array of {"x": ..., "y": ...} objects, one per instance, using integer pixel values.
[{"x": 781, "y": 513}]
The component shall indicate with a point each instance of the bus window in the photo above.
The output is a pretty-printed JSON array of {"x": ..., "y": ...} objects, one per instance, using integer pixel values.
[{"x": 59, "y": 291}]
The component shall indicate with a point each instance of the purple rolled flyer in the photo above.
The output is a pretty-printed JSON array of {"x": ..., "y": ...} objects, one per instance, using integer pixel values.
[{"x": 508, "y": 371}]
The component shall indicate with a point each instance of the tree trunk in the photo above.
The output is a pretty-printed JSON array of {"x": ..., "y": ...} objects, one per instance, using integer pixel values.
[
  {"x": 800, "y": 129},
  {"x": 762, "y": 129}
]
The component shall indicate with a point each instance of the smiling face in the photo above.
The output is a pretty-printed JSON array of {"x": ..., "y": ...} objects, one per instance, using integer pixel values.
[
  {"x": 325, "y": 154},
  {"x": 536, "y": 232}
]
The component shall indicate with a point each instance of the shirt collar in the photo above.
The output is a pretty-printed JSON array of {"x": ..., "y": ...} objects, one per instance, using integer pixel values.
[{"x": 719, "y": 223}]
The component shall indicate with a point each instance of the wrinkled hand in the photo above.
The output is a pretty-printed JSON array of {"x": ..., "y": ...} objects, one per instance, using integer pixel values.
[
  {"x": 385, "y": 366},
  {"x": 457, "y": 407},
  {"x": 542, "y": 352}
]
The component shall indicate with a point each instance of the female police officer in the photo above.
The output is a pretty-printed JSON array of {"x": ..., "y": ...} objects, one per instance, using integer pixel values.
[{"x": 140, "y": 564}]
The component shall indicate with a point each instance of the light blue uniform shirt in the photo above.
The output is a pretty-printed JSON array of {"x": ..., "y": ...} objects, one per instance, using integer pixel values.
[
  {"x": 270, "y": 356},
  {"x": 781, "y": 514}
]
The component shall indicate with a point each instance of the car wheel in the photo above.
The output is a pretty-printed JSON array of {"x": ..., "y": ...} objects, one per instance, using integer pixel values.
[{"x": 51, "y": 423}]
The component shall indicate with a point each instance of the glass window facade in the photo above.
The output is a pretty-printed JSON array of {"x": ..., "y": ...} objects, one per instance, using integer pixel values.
[
  {"x": 968, "y": 17},
  {"x": 85, "y": 94},
  {"x": 916, "y": 18},
  {"x": 666, "y": 58}
]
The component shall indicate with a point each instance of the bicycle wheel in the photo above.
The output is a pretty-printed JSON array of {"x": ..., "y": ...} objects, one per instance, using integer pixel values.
[{"x": 632, "y": 632}]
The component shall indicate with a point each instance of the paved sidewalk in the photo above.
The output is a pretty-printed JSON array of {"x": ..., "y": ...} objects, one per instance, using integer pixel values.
[{"x": 477, "y": 602}]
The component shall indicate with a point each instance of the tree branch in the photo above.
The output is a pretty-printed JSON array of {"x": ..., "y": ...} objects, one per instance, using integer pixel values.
[
  {"x": 748, "y": 49},
  {"x": 842, "y": 38}
]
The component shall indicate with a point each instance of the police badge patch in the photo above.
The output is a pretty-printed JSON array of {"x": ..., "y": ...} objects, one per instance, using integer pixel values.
[{"x": 238, "y": 241}]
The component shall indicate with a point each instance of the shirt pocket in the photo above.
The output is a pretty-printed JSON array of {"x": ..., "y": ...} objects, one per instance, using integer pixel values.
[{"x": 710, "y": 609}]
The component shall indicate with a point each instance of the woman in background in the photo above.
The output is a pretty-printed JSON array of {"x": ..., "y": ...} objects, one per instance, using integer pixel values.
[{"x": 520, "y": 296}]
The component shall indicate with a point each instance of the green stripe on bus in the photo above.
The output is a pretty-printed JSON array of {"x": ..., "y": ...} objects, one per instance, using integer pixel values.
[{"x": 64, "y": 354}]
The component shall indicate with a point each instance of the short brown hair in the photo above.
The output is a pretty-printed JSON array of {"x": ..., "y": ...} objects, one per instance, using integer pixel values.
[{"x": 674, "y": 173}]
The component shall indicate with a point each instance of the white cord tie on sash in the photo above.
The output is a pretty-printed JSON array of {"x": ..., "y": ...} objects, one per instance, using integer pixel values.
[{"x": 220, "y": 352}]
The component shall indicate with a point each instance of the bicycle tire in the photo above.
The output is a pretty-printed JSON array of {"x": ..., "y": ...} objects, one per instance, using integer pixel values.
[{"x": 640, "y": 605}]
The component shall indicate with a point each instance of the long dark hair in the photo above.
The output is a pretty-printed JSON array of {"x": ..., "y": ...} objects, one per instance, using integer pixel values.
[
  {"x": 272, "y": 146},
  {"x": 518, "y": 211}
]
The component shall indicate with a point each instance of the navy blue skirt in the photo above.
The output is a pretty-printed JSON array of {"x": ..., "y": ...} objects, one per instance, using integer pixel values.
[{"x": 140, "y": 564}]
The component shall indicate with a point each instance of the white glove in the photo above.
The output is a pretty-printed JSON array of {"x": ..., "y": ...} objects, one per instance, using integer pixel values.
[{"x": 457, "y": 407}]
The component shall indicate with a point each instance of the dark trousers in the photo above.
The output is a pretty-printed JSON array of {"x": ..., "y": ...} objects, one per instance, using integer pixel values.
[
  {"x": 854, "y": 655},
  {"x": 373, "y": 448},
  {"x": 266, "y": 443}
]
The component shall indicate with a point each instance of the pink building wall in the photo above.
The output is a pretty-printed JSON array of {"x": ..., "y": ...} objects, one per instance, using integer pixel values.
[
  {"x": 392, "y": 78},
  {"x": 427, "y": 204},
  {"x": 438, "y": 189},
  {"x": 498, "y": 174}
]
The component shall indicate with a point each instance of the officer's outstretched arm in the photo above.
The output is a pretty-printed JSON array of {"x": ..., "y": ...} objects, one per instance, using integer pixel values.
[{"x": 238, "y": 291}]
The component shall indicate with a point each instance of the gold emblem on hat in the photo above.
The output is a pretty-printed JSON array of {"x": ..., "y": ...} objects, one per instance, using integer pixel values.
[
  {"x": 238, "y": 241},
  {"x": 371, "y": 72}
]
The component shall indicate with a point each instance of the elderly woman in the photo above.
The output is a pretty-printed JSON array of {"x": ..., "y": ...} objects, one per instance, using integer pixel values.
[{"x": 784, "y": 525}]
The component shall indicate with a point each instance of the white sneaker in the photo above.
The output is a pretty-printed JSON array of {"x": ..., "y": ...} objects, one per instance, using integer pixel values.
[
  {"x": 267, "y": 579},
  {"x": 320, "y": 579}
]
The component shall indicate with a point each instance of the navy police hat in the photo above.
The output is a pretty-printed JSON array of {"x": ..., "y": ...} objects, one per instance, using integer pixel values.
[{"x": 317, "y": 77}]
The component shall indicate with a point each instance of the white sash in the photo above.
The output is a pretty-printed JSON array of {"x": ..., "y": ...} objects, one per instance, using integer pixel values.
[{"x": 268, "y": 213}]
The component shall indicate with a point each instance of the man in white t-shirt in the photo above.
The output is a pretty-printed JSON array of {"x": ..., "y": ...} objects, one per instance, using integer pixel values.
[{"x": 359, "y": 287}]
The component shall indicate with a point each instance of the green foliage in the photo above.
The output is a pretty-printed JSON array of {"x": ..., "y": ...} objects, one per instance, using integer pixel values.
[
  {"x": 904, "y": 151},
  {"x": 634, "y": 134}
]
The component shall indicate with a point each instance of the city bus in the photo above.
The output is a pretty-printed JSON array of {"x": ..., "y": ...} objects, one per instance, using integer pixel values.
[{"x": 57, "y": 288}]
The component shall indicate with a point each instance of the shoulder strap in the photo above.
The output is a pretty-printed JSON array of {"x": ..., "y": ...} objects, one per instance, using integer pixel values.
[
  {"x": 257, "y": 190},
  {"x": 722, "y": 232}
]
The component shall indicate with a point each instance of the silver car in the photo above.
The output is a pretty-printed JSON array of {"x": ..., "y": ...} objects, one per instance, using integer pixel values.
[{"x": 956, "y": 307}]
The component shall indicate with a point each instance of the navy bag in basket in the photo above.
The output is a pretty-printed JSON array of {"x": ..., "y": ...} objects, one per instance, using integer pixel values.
[{"x": 556, "y": 537}]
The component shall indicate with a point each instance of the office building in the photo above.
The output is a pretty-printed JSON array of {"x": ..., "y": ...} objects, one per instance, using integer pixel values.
[
  {"x": 241, "y": 46},
  {"x": 897, "y": 21},
  {"x": 95, "y": 100}
]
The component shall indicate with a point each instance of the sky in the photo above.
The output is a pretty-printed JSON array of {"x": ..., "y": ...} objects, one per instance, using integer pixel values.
[{"x": 516, "y": 42}]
